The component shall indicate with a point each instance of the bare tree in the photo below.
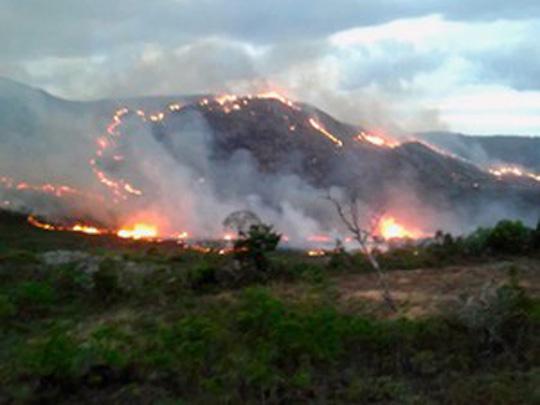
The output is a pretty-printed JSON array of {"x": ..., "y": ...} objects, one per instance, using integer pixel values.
[{"x": 365, "y": 235}]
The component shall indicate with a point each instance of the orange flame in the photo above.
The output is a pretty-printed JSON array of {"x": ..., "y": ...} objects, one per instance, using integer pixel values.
[
  {"x": 389, "y": 228},
  {"x": 138, "y": 231},
  {"x": 501, "y": 171},
  {"x": 86, "y": 229},
  {"x": 91, "y": 230},
  {"x": 315, "y": 124},
  {"x": 378, "y": 140}
]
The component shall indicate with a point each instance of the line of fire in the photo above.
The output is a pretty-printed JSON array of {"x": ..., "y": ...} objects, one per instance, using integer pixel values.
[{"x": 147, "y": 226}]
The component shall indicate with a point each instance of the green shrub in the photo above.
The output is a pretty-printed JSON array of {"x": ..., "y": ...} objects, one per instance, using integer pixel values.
[
  {"x": 251, "y": 248},
  {"x": 7, "y": 308},
  {"x": 19, "y": 257},
  {"x": 203, "y": 278},
  {"x": 58, "y": 354},
  {"x": 511, "y": 237},
  {"x": 107, "y": 281},
  {"x": 536, "y": 236},
  {"x": 500, "y": 316},
  {"x": 34, "y": 296},
  {"x": 71, "y": 281}
]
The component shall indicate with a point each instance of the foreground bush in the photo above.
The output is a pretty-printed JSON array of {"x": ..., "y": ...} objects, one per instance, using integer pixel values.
[{"x": 260, "y": 349}]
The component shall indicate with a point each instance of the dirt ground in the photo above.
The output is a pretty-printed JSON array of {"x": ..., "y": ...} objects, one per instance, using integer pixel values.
[{"x": 426, "y": 291}]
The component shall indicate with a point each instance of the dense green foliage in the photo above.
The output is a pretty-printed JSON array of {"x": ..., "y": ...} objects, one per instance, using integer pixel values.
[
  {"x": 150, "y": 325},
  {"x": 251, "y": 247},
  {"x": 256, "y": 348},
  {"x": 505, "y": 239}
]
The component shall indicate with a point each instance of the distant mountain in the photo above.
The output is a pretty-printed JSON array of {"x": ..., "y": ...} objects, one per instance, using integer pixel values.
[{"x": 519, "y": 150}]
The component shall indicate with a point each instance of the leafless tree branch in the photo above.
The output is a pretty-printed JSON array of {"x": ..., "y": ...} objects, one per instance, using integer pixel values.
[{"x": 366, "y": 237}]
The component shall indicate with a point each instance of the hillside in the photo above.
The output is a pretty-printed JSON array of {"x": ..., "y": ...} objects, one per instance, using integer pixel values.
[
  {"x": 519, "y": 150},
  {"x": 258, "y": 146}
]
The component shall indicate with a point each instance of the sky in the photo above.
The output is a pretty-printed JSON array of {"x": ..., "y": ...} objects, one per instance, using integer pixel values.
[{"x": 466, "y": 66}]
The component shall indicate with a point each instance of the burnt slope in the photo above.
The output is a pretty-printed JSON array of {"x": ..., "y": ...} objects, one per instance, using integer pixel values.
[{"x": 282, "y": 138}]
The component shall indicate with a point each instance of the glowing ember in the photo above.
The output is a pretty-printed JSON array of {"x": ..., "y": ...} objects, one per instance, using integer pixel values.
[
  {"x": 315, "y": 124},
  {"x": 8, "y": 183},
  {"x": 181, "y": 236},
  {"x": 378, "y": 140},
  {"x": 91, "y": 230},
  {"x": 86, "y": 229},
  {"x": 229, "y": 236},
  {"x": 389, "y": 228},
  {"x": 139, "y": 231},
  {"x": 38, "y": 224},
  {"x": 276, "y": 96},
  {"x": 316, "y": 252},
  {"x": 502, "y": 171}
]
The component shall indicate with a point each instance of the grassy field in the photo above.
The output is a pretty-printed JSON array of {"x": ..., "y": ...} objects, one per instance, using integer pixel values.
[{"x": 100, "y": 320}]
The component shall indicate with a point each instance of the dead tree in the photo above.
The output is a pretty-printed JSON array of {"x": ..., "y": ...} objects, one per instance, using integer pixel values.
[{"x": 365, "y": 235}]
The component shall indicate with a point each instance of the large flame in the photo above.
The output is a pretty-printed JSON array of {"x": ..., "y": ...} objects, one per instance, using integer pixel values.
[
  {"x": 390, "y": 228},
  {"x": 139, "y": 231}
]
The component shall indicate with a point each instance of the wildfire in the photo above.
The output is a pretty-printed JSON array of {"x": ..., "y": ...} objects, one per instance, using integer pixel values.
[
  {"x": 86, "y": 229},
  {"x": 91, "y": 230},
  {"x": 389, "y": 228},
  {"x": 139, "y": 231},
  {"x": 316, "y": 252},
  {"x": 315, "y": 124},
  {"x": 7, "y": 183},
  {"x": 513, "y": 171},
  {"x": 276, "y": 96},
  {"x": 378, "y": 140},
  {"x": 229, "y": 236}
]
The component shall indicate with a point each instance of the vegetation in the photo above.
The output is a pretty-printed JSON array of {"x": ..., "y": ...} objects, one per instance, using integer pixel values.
[
  {"x": 146, "y": 324},
  {"x": 251, "y": 247}
]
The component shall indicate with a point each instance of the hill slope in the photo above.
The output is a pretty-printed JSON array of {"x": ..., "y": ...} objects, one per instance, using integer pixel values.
[{"x": 239, "y": 147}]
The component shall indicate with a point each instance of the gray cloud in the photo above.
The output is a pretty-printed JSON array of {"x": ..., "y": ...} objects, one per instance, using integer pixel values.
[
  {"x": 97, "y": 48},
  {"x": 35, "y": 28},
  {"x": 517, "y": 67},
  {"x": 390, "y": 65}
]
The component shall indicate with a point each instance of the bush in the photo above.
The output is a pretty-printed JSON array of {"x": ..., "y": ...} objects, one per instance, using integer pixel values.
[
  {"x": 203, "y": 278},
  {"x": 57, "y": 355},
  {"x": 34, "y": 297},
  {"x": 7, "y": 308},
  {"x": 511, "y": 237},
  {"x": 498, "y": 315},
  {"x": 106, "y": 280},
  {"x": 252, "y": 247},
  {"x": 71, "y": 280},
  {"x": 536, "y": 236}
]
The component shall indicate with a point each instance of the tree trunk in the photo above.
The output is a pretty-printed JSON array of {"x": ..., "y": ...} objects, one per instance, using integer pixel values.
[{"x": 387, "y": 296}]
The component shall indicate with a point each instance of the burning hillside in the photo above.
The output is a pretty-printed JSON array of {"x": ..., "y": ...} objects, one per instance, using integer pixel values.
[{"x": 172, "y": 168}]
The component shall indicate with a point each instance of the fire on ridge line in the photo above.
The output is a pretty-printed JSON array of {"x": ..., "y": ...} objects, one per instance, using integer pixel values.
[{"x": 122, "y": 189}]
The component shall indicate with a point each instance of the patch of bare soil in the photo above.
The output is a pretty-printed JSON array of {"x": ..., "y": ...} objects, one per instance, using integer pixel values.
[{"x": 425, "y": 292}]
